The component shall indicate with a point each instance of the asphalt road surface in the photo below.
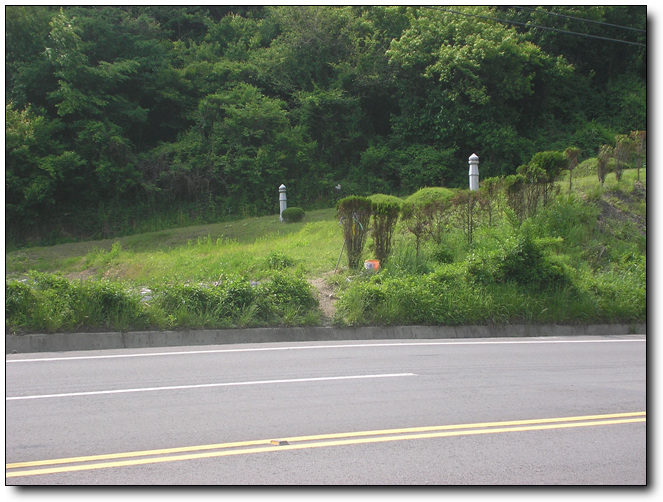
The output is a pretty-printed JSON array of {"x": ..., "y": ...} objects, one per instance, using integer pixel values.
[{"x": 511, "y": 411}]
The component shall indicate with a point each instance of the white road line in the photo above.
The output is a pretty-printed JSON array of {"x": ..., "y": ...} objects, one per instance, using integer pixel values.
[
  {"x": 202, "y": 386},
  {"x": 316, "y": 347}
]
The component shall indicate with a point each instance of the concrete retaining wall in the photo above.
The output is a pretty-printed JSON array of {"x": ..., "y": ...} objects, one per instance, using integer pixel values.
[{"x": 61, "y": 342}]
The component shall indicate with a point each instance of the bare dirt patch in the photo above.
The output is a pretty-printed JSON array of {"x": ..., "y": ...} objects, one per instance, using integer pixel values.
[{"x": 326, "y": 297}]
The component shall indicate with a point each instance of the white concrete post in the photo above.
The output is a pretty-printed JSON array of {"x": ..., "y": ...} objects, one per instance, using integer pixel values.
[
  {"x": 283, "y": 203},
  {"x": 474, "y": 172}
]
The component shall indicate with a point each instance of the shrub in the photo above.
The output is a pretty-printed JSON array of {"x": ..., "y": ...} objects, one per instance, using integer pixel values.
[
  {"x": 109, "y": 296},
  {"x": 57, "y": 302},
  {"x": 195, "y": 298},
  {"x": 603, "y": 164},
  {"x": 407, "y": 261},
  {"x": 514, "y": 187},
  {"x": 287, "y": 299},
  {"x": 570, "y": 218},
  {"x": 552, "y": 163},
  {"x": 386, "y": 211},
  {"x": 426, "y": 213},
  {"x": 293, "y": 214},
  {"x": 489, "y": 194},
  {"x": 20, "y": 303},
  {"x": 418, "y": 221},
  {"x": 412, "y": 299},
  {"x": 464, "y": 203},
  {"x": 437, "y": 202},
  {"x": 109, "y": 305},
  {"x": 522, "y": 261},
  {"x": 443, "y": 255},
  {"x": 619, "y": 293},
  {"x": 53, "y": 303},
  {"x": 358, "y": 303},
  {"x": 437, "y": 196},
  {"x": 355, "y": 214},
  {"x": 286, "y": 289},
  {"x": 278, "y": 260},
  {"x": 518, "y": 259},
  {"x": 237, "y": 294},
  {"x": 215, "y": 304},
  {"x": 571, "y": 154}
]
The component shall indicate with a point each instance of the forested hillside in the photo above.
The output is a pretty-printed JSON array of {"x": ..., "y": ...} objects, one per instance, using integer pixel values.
[{"x": 125, "y": 119}]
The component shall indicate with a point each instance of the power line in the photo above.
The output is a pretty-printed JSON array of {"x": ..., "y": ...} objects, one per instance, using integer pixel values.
[
  {"x": 540, "y": 27},
  {"x": 550, "y": 13}
]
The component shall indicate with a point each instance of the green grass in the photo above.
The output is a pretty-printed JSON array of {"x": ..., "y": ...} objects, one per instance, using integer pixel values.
[
  {"x": 191, "y": 253},
  {"x": 581, "y": 259}
]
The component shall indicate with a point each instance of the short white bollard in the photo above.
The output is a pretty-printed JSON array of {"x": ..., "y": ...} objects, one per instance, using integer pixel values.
[
  {"x": 283, "y": 203},
  {"x": 474, "y": 172}
]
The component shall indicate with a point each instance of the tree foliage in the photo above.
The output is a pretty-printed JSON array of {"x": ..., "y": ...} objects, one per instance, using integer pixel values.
[{"x": 205, "y": 110}]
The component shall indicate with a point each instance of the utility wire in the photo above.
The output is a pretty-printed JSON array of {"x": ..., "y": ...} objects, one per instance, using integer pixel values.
[
  {"x": 550, "y": 13},
  {"x": 539, "y": 27}
]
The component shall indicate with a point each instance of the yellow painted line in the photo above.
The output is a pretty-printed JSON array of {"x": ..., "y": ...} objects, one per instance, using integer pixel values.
[
  {"x": 315, "y": 437},
  {"x": 463, "y": 426},
  {"x": 352, "y": 438},
  {"x": 130, "y": 454},
  {"x": 217, "y": 446}
]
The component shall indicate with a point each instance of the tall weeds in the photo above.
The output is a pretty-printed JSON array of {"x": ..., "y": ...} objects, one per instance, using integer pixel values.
[
  {"x": 579, "y": 259},
  {"x": 50, "y": 303}
]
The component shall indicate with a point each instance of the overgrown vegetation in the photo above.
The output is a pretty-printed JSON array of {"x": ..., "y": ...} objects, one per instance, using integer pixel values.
[
  {"x": 50, "y": 303},
  {"x": 563, "y": 264},
  {"x": 166, "y": 130},
  {"x": 579, "y": 258},
  {"x": 122, "y": 120}
]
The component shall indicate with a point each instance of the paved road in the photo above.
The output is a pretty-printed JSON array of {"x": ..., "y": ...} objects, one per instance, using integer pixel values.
[{"x": 498, "y": 411}]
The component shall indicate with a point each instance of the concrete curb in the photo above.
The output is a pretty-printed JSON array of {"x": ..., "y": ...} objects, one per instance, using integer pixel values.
[{"x": 62, "y": 342}]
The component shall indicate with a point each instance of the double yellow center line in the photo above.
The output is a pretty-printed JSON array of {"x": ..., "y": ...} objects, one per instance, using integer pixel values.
[{"x": 301, "y": 442}]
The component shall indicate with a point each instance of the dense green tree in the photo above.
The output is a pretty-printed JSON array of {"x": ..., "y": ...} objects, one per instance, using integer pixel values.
[
  {"x": 240, "y": 149},
  {"x": 311, "y": 40},
  {"x": 90, "y": 100},
  {"x": 39, "y": 172},
  {"x": 606, "y": 44},
  {"x": 600, "y": 41},
  {"x": 467, "y": 80},
  {"x": 28, "y": 72},
  {"x": 332, "y": 119}
]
